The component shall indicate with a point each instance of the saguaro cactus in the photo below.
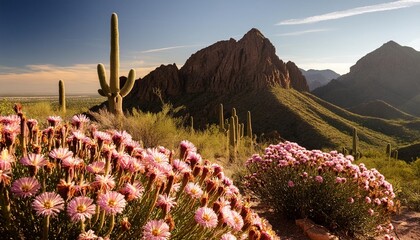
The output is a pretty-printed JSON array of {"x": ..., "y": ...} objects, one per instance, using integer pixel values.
[
  {"x": 355, "y": 150},
  {"x": 112, "y": 90},
  {"x": 62, "y": 96},
  {"x": 221, "y": 119},
  {"x": 388, "y": 151}
]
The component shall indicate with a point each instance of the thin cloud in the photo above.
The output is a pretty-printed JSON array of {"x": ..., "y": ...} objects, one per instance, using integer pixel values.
[
  {"x": 352, "y": 12},
  {"x": 298, "y": 33},
  {"x": 170, "y": 48}
]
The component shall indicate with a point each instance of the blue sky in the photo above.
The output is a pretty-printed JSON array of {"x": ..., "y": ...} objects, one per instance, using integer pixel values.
[{"x": 47, "y": 40}]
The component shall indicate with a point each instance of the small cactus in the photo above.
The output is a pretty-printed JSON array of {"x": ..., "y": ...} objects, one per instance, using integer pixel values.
[
  {"x": 388, "y": 151},
  {"x": 112, "y": 90},
  {"x": 62, "y": 96},
  {"x": 192, "y": 124}
]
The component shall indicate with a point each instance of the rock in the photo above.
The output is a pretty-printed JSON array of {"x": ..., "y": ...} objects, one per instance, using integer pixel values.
[
  {"x": 315, "y": 231},
  {"x": 225, "y": 67}
]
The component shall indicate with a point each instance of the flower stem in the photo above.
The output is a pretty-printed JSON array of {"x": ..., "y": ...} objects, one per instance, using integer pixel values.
[
  {"x": 111, "y": 227},
  {"x": 46, "y": 227}
]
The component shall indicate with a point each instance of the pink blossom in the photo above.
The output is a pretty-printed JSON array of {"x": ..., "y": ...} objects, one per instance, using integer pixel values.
[
  {"x": 112, "y": 202},
  {"x": 54, "y": 120},
  {"x": 80, "y": 209},
  {"x": 96, "y": 168},
  {"x": 132, "y": 191},
  {"x": 319, "y": 179},
  {"x": 88, "y": 235},
  {"x": 235, "y": 221},
  {"x": 104, "y": 182},
  {"x": 194, "y": 190},
  {"x": 228, "y": 236},
  {"x": 48, "y": 204},
  {"x": 156, "y": 230},
  {"x": 34, "y": 160},
  {"x": 6, "y": 160},
  {"x": 206, "y": 217},
  {"x": 60, "y": 154},
  {"x": 25, "y": 187},
  {"x": 290, "y": 183},
  {"x": 166, "y": 202}
]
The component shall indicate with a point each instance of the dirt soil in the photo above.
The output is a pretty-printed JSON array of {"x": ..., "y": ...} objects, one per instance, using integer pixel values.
[{"x": 407, "y": 225}]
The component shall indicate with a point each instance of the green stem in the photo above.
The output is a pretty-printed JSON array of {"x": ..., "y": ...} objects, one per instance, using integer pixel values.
[
  {"x": 111, "y": 227},
  {"x": 46, "y": 227}
]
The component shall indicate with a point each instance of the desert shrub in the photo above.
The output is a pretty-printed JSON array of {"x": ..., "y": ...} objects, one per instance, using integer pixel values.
[
  {"x": 6, "y": 107},
  {"x": 325, "y": 187},
  {"x": 71, "y": 180}
]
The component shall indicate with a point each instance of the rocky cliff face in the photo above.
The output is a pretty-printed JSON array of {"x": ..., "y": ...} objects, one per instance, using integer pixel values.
[{"x": 225, "y": 67}]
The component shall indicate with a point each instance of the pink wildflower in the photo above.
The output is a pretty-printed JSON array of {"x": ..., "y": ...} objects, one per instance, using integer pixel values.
[
  {"x": 236, "y": 222},
  {"x": 104, "y": 182},
  {"x": 48, "y": 204},
  {"x": 206, "y": 217},
  {"x": 319, "y": 179},
  {"x": 25, "y": 187},
  {"x": 194, "y": 190},
  {"x": 228, "y": 236},
  {"x": 132, "y": 191},
  {"x": 156, "y": 230},
  {"x": 79, "y": 120},
  {"x": 34, "y": 160},
  {"x": 6, "y": 160},
  {"x": 60, "y": 154},
  {"x": 54, "y": 120},
  {"x": 166, "y": 202},
  {"x": 96, "y": 168},
  {"x": 80, "y": 209},
  {"x": 88, "y": 235},
  {"x": 112, "y": 202},
  {"x": 290, "y": 183}
]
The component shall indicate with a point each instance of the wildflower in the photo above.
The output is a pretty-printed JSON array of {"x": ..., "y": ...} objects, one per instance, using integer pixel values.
[
  {"x": 112, "y": 202},
  {"x": 78, "y": 120},
  {"x": 6, "y": 160},
  {"x": 34, "y": 162},
  {"x": 235, "y": 221},
  {"x": 350, "y": 200},
  {"x": 60, "y": 154},
  {"x": 228, "y": 236},
  {"x": 166, "y": 202},
  {"x": 206, "y": 217},
  {"x": 88, "y": 235},
  {"x": 290, "y": 183},
  {"x": 5, "y": 177},
  {"x": 194, "y": 190},
  {"x": 96, "y": 168},
  {"x": 102, "y": 136},
  {"x": 125, "y": 224},
  {"x": 132, "y": 191},
  {"x": 371, "y": 212},
  {"x": 54, "y": 120},
  {"x": 368, "y": 200},
  {"x": 25, "y": 187},
  {"x": 104, "y": 182},
  {"x": 48, "y": 204},
  {"x": 319, "y": 179},
  {"x": 80, "y": 209},
  {"x": 156, "y": 230}
]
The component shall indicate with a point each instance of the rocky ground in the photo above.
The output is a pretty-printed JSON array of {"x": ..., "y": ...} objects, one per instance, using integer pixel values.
[{"x": 407, "y": 225}]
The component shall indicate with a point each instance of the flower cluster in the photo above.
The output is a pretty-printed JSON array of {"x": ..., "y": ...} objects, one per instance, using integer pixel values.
[
  {"x": 74, "y": 181},
  {"x": 326, "y": 187}
]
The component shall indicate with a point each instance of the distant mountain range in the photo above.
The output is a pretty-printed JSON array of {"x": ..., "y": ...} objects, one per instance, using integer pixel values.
[
  {"x": 318, "y": 78},
  {"x": 390, "y": 74},
  {"x": 249, "y": 76}
]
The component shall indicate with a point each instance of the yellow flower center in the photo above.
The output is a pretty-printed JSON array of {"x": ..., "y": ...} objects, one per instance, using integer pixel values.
[
  {"x": 26, "y": 188},
  {"x": 112, "y": 203},
  {"x": 48, "y": 204},
  {"x": 206, "y": 217},
  {"x": 155, "y": 232},
  {"x": 81, "y": 208}
]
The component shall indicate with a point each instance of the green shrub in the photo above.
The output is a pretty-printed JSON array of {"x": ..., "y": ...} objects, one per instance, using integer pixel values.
[{"x": 325, "y": 187}]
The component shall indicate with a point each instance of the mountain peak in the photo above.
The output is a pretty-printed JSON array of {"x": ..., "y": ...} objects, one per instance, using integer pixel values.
[
  {"x": 253, "y": 33},
  {"x": 391, "y": 44}
]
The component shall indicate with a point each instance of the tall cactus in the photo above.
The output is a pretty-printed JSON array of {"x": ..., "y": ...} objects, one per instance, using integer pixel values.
[
  {"x": 388, "y": 151},
  {"x": 62, "y": 96},
  {"x": 112, "y": 90},
  {"x": 355, "y": 150},
  {"x": 221, "y": 119}
]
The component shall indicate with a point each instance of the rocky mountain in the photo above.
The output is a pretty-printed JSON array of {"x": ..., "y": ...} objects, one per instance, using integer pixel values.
[
  {"x": 222, "y": 70},
  {"x": 318, "y": 78},
  {"x": 390, "y": 73},
  {"x": 248, "y": 75},
  {"x": 381, "y": 109}
]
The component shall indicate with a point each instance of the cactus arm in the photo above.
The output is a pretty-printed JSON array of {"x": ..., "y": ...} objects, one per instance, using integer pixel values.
[
  {"x": 129, "y": 83},
  {"x": 102, "y": 81},
  {"x": 114, "y": 83},
  {"x": 103, "y": 94}
]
